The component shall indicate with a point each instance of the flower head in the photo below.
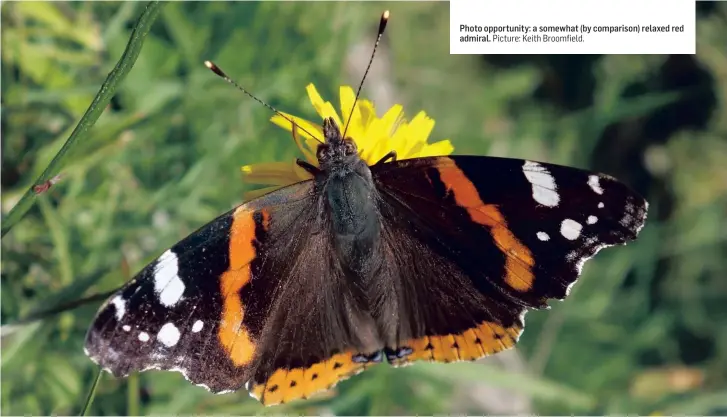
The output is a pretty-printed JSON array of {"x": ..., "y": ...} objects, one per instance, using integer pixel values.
[{"x": 374, "y": 136}]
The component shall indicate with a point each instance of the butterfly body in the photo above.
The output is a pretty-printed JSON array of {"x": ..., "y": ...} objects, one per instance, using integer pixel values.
[{"x": 351, "y": 203}]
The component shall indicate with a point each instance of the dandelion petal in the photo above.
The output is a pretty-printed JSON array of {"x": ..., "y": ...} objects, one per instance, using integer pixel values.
[{"x": 324, "y": 108}]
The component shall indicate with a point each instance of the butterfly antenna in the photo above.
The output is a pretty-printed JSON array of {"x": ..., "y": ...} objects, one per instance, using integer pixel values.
[
  {"x": 379, "y": 34},
  {"x": 214, "y": 68}
]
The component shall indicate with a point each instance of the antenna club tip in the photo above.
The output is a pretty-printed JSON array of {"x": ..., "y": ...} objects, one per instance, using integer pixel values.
[
  {"x": 214, "y": 68},
  {"x": 384, "y": 20}
]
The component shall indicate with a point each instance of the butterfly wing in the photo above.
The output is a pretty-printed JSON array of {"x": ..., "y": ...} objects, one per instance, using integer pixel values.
[
  {"x": 252, "y": 297},
  {"x": 258, "y": 297},
  {"x": 473, "y": 242}
]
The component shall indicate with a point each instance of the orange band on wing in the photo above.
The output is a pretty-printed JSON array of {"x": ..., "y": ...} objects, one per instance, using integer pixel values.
[
  {"x": 286, "y": 385},
  {"x": 518, "y": 260},
  {"x": 234, "y": 338},
  {"x": 485, "y": 339}
]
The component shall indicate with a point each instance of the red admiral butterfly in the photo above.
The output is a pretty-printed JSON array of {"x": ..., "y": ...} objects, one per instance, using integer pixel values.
[{"x": 434, "y": 258}]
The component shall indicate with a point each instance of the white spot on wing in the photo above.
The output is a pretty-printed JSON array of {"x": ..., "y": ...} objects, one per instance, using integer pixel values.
[
  {"x": 168, "y": 335},
  {"x": 144, "y": 336},
  {"x": 594, "y": 183},
  {"x": 120, "y": 305},
  {"x": 570, "y": 229},
  {"x": 592, "y": 220},
  {"x": 126, "y": 327},
  {"x": 597, "y": 246},
  {"x": 167, "y": 284},
  {"x": 544, "y": 188},
  {"x": 543, "y": 236},
  {"x": 197, "y": 326}
]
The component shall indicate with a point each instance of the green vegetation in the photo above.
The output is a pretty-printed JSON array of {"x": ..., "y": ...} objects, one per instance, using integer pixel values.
[{"x": 644, "y": 331}]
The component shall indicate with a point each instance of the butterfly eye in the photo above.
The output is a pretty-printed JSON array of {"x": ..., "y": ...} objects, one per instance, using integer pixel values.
[
  {"x": 349, "y": 147},
  {"x": 322, "y": 153}
]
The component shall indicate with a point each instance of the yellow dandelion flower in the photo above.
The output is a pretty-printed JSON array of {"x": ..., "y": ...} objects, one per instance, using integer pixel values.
[{"x": 374, "y": 136}]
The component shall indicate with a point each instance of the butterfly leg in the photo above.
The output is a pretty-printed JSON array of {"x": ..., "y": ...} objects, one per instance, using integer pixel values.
[
  {"x": 376, "y": 357},
  {"x": 397, "y": 355},
  {"x": 314, "y": 170},
  {"x": 391, "y": 155}
]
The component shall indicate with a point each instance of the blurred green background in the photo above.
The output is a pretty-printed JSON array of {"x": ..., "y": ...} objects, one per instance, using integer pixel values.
[{"x": 644, "y": 331}]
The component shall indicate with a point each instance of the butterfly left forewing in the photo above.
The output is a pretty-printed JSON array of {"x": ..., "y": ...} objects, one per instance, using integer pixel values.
[
  {"x": 183, "y": 311},
  {"x": 168, "y": 315},
  {"x": 517, "y": 231}
]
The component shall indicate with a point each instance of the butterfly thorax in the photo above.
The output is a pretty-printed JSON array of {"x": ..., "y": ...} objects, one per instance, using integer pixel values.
[{"x": 350, "y": 200}]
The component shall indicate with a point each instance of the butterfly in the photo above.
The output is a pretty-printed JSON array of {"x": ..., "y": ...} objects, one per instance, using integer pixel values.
[{"x": 424, "y": 259}]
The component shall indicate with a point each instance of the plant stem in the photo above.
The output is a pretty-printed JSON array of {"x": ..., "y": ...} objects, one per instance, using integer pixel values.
[
  {"x": 99, "y": 103},
  {"x": 92, "y": 392}
]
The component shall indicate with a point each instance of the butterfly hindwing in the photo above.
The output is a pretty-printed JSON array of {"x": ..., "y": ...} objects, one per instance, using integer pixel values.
[
  {"x": 476, "y": 241},
  {"x": 249, "y": 298},
  {"x": 313, "y": 328},
  {"x": 446, "y": 311}
]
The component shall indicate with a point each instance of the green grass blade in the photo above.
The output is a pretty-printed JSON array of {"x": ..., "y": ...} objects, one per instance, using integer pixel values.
[
  {"x": 60, "y": 308},
  {"x": 91, "y": 392},
  {"x": 99, "y": 103},
  {"x": 132, "y": 399}
]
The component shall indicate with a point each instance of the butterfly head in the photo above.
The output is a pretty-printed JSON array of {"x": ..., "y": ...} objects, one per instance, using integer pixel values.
[{"x": 336, "y": 150}]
